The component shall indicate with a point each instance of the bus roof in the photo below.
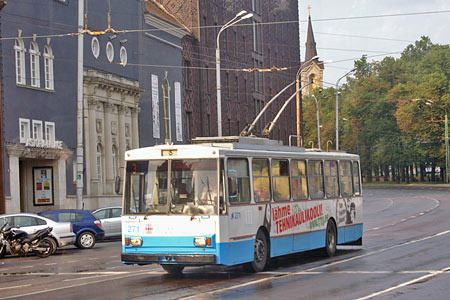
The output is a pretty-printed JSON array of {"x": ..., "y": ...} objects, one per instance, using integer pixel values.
[{"x": 213, "y": 147}]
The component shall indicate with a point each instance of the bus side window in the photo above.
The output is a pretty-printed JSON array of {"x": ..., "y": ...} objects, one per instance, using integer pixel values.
[
  {"x": 261, "y": 180},
  {"x": 345, "y": 178},
  {"x": 315, "y": 178},
  {"x": 331, "y": 179},
  {"x": 238, "y": 180},
  {"x": 356, "y": 186}
]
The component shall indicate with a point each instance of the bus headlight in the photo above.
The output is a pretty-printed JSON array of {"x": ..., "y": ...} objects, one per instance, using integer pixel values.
[
  {"x": 136, "y": 241},
  {"x": 202, "y": 241}
]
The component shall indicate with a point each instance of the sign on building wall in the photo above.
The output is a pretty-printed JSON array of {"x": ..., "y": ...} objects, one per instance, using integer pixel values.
[
  {"x": 43, "y": 186},
  {"x": 155, "y": 106},
  {"x": 179, "y": 126}
]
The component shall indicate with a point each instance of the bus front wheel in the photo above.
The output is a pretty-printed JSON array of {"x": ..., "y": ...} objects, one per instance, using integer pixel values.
[
  {"x": 173, "y": 269},
  {"x": 261, "y": 253},
  {"x": 330, "y": 239}
]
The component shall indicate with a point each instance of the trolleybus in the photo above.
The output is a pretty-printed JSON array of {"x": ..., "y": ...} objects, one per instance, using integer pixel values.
[{"x": 237, "y": 200}]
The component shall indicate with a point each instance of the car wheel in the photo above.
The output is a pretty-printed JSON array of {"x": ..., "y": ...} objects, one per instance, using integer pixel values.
[
  {"x": 85, "y": 240},
  {"x": 173, "y": 269}
]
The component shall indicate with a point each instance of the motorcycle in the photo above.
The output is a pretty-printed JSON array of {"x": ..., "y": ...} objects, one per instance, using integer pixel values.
[{"x": 20, "y": 243}]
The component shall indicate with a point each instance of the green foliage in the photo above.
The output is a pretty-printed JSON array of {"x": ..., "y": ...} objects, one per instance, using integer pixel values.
[{"x": 391, "y": 111}]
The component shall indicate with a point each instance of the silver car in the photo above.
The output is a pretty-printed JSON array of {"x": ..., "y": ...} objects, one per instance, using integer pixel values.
[
  {"x": 111, "y": 220},
  {"x": 62, "y": 233}
]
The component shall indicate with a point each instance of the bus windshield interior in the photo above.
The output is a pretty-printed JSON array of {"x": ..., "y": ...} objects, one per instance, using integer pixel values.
[{"x": 190, "y": 188}]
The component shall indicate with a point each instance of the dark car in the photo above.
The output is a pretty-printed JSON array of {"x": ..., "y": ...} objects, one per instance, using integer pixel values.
[{"x": 86, "y": 227}]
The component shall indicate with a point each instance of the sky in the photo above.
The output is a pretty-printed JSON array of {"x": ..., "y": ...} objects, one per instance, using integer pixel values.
[{"x": 376, "y": 35}]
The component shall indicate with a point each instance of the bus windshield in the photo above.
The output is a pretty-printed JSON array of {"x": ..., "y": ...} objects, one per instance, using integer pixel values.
[{"x": 190, "y": 188}]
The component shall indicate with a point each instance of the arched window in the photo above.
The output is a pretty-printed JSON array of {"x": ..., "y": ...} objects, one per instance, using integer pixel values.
[
  {"x": 48, "y": 67},
  {"x": 110, "y": 51},
  {"x": 19, "y": 49},
  {"x": 34, "y": 64},
  {"x": 99, "y": 162},
  {"x": 114, "y": 161},
  {"x": 123, "y": 56}
]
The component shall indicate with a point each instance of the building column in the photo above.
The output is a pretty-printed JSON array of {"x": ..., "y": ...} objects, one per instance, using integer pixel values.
[
  {"x": 134, "y": 128},
  {"x": 121, "y": 135},
  {"x": 108, "y": 108},
  {"x": 91, "y": 149},
  {"x": 13, "y": 206}
]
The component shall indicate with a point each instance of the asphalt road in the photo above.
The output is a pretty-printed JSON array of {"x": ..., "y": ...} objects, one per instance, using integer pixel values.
[{"x": 405, "y": 256}]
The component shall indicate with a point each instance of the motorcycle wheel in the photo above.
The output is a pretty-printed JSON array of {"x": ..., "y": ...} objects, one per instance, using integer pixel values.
[
  {"x": 2, "y": 250},
  {"x": 48, "y": 246}
]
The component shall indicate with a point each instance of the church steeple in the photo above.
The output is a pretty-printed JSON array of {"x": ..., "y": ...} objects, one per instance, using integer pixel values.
[{"x": 311, "y": 50}]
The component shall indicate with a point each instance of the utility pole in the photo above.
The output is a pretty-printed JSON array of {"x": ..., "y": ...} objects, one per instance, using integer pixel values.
[
  {"x": 80, "y": 145},
  {"x": 2, "y": 153}
]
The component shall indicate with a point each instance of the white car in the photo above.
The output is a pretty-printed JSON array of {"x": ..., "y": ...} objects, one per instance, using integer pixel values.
[
  {"x": 62, "y": 233},
  {"x": 111, "y": 220}
]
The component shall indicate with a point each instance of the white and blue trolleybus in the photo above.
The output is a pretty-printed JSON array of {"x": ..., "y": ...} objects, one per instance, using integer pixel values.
[{"x": 237, "y": 200}]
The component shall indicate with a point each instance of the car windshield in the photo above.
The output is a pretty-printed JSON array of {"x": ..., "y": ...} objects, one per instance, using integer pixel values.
[{"x": 190, "y": 188}]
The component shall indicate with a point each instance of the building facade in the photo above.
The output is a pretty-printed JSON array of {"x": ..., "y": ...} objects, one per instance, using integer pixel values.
[
  {"x": 268, "y": 40},
  {"x": 132, "y": 97}
]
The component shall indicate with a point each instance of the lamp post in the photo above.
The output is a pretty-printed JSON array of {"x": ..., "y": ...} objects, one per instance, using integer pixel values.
[
  {"x": 242, "y": 15},
  {"x": 318, "y": 121},
  {"x": 299, "y": 103},
  {"x": 337, "y": 107},
  {"x": 80, "y": 145}
]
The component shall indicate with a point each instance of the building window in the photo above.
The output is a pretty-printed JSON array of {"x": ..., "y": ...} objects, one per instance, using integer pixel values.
[
  {"x": 99, "y": 162},
  {"x": 188, "y": 126},
  {"x": 187, "y": 73},
  {"x": 50, "y": 131},
  {"x": 227, "y": 85},
  {"x": 205, "y": 32},
  {"x": 19, "y": 50},
  {"x": 110, "y": 51},
  {"x": 48, "y": 68},
  {"x": 235, "y": 43},
  {"x": 95, "y": 46},
  {"x": 123, "y": 56},
  {"x": 37, "y": 130},
  {"x": 24, "y": 125},
  {"x": 166, "y": 102},
  {"x": 236, "y": 83},
  {"x": 34, "y": 65}
]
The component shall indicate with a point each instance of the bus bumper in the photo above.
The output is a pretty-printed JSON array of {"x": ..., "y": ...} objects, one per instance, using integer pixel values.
[{"x": 128, "y": 258}]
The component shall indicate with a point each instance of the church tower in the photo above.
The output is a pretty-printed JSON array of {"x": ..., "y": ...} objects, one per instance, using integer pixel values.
[{"x": 313, "y": 70}]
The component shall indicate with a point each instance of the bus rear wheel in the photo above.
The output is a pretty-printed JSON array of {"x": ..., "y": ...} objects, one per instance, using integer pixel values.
[
  {"x": 330, "y": 239},
  {"x": 261, "y": 254},
  {"x": 173, "y": 269}
]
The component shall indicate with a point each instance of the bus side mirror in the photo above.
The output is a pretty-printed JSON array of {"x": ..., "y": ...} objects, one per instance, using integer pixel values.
[{"x": 232, "y": 184}]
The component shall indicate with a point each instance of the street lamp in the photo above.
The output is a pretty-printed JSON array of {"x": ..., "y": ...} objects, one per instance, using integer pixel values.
[
  {"x": 299, "y": 104},
  {"x": 242, "y": 15},
  {"x": 318, "y": 121},
  {"x": 337, "y": 107}
]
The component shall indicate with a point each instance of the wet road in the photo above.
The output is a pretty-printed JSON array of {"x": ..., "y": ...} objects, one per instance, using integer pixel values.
[{"x": 405, "y": 256}]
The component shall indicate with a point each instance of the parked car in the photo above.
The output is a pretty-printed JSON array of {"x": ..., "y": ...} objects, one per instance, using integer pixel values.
[
  {"x": 110, "y": 217},
  {"x": 62, "y": 233},
  {"x": 86, "y": 227}
]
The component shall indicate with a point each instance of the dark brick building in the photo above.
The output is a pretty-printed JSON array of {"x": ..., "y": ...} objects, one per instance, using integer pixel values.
[{"x": 270, "y": 38}]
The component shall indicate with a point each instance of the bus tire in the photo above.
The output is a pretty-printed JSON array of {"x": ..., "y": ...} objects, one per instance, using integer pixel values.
[
  {"x": 330, "y": 239},
  {"x": 261, "y": 254},
  {"x": 173, "y": 269}
]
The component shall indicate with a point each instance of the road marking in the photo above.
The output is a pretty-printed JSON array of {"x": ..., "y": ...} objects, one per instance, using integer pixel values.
[
  {"x": 437, "y": 204},
  {"x": 50, "y": 264},
  {"x": 404, "y": 284},
  {"x": 26, "y": 267},
  {"x": 73, "y": 285},
  {"x": 15, "y": 287},
  {"x": 309, "y": 271}
]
